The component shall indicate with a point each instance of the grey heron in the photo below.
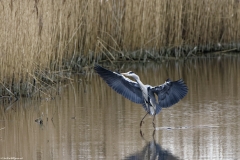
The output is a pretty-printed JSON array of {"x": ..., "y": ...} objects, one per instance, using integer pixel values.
[{"x": 167, "y": 94}]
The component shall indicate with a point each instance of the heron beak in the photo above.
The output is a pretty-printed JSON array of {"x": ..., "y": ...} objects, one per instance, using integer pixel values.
[{"x": 125, "y": 74}]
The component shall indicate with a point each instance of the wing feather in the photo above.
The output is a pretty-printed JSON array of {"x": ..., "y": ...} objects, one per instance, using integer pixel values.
[
  {"x": 170, "y": 93},
  {"x": 122, "y": 85}
]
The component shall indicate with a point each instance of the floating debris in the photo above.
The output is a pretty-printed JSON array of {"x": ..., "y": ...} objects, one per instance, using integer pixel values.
[{"x": 39, "y": 121}]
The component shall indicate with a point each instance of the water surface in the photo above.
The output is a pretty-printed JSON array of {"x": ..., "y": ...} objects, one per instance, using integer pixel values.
[{"x": 88, "y": 120}]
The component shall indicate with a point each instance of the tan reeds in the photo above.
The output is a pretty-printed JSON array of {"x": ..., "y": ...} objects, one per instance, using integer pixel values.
[{"x": 40, "y": 36}]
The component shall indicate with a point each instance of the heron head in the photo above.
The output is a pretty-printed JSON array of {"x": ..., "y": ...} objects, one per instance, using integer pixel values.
[{"x": 131, "y": 74}]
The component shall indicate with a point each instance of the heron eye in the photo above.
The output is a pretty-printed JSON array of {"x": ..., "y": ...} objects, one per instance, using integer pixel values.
[{"x": 130, "y": 72}]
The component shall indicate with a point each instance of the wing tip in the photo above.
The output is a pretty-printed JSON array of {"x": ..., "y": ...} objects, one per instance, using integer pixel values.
[
  {"x": 120, "y": 84},
  {"x": 97, "y": 67}
]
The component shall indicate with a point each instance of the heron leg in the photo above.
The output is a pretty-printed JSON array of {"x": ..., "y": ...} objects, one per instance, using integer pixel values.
[
  {"x": 142, "y": 120},
  {"x": 141, "y": 134},
  {"x": 153, "y": 121}
]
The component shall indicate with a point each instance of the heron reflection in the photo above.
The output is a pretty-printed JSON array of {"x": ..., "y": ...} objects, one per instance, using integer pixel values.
[{"x": 152, "y": 151}]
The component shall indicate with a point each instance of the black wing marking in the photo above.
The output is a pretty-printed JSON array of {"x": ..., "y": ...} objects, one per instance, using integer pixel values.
[
  {"x": 170, "y": 93},
  {"x": 122, "y": 85}
]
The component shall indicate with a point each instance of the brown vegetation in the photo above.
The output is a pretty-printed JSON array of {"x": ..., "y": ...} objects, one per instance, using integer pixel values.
[{"x": 37, "y": 37}]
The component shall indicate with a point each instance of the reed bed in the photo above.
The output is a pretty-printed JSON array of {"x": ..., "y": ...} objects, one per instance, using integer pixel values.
[{"x": 40, "y": 40}]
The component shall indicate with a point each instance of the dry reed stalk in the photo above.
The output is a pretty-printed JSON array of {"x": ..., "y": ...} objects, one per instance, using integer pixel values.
[
  {"x": 45, "y": 35},
  {"x": 35, "y": 34}
]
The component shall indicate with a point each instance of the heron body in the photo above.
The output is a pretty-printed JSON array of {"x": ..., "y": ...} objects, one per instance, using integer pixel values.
[{"x": 167, "y": 94}]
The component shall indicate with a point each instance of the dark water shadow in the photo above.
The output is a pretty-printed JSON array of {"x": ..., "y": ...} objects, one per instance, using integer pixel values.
[{"x": 151, "y": 151}]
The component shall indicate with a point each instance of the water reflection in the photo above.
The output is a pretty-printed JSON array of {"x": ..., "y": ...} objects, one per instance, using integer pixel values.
[
  {"x": 88, "y": 120},
  {"x": 152, "y": 151}
]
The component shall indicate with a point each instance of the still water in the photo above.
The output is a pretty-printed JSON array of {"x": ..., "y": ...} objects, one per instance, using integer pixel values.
[{"x": 88, "y": 120}]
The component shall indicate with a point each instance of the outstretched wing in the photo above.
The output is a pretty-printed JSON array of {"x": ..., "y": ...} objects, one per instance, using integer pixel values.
[
  {"x": 122, "y": 85},
  {"x": 170, "y": 92}
]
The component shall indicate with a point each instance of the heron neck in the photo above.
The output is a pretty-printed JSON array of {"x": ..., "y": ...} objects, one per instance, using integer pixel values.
[{"x": 139, "y": 82}]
